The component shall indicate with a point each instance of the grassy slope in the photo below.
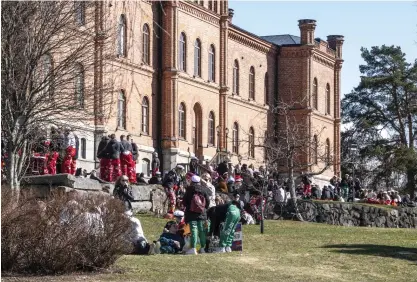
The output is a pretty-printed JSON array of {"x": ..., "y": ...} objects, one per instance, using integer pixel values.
[{"x": 288, "y": 251}]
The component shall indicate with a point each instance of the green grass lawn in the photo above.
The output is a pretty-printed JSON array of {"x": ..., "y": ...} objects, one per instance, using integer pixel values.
[{"x": 287, "y": 251}]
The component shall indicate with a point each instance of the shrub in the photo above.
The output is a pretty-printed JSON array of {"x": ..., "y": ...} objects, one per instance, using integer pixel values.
[{"x": 67, "y": 232}]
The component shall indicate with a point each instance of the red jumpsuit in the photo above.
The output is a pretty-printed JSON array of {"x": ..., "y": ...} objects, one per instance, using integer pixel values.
[
  {"x": 69, "y": 164},
  {"x": 128, "y": 166}
]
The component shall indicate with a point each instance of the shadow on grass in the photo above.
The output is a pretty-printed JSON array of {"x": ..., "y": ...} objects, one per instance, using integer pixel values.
[{"x": 409, "y": 254}]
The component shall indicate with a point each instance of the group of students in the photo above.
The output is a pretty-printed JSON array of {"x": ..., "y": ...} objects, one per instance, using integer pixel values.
[{"x": 198, "y": 224}]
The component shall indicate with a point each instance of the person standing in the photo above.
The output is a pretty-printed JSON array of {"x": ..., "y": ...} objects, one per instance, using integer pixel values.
[
  {"x": 135, "y": 153},
  {"x": 113, "y": 151},
  {"x": 171, "y": 184},
  {"x": 126, "y": 160},
  {"x": 155, "y": 163},
  {"x": 196, "y": 202},
  {"x": 69, "y": 163},
  {"x": 104, "y": 158}
]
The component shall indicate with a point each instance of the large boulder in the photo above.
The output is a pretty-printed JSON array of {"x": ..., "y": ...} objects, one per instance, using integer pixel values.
[
  {"x": 66, "y": 180},
  {"x": 142, "y": 192},
  {"x": 158, "y": 199},
  {"x": 142, "y": 207}
]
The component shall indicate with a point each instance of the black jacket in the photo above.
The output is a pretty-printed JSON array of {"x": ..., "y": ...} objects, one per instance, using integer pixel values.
[
  {"x": 114, "y": 149},
  {"x": 189, "y": 193},
  {"x": 217, "y": 215},
  {"x": 124, "y": 193},
  {"x": 135, "y": 151},
  {"x": 101, "y": 153},
  {"x": 222, "y": 169},
  {"x": 126, "y": 145}
]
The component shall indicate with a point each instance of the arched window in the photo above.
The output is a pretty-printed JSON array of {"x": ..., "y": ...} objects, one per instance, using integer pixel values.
[
  {"x": 327, "y": 151},
  {"x": 79, "y": 85},
  {"x": 252, "y": 83},
  {"x": 266, "y": 89},
  {"x": 145, "y": 115},
  {"x": 328, "y": 99},
  {"x": 251, "y": 143},
  {"x": 197, "y": 58},
  {"x": 315, "y": 148},
  {"x": 314, "y": 94},
  {"x": 236, "y": 78},
  {"x": 121, "y": 110},
  {"x": 211, "y": 128},
  {"x": 121, "y": 37},
  {"x": 79, "y": 7},
  {"x": 181, "y": 52},
  {"x": 181, "y": 119},
  {"x": 212, "y": 60},
  {"x": 235, "y": 138},
  {"x": 145, "y": 44},
  {"x": 83, "y": 148}
]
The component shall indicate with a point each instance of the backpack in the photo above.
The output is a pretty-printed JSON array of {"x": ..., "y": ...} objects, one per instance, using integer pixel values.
[{"x": 198, "y": 203}]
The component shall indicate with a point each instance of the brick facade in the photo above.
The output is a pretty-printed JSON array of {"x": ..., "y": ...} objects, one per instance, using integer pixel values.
[{"x": 290, "y": 70}]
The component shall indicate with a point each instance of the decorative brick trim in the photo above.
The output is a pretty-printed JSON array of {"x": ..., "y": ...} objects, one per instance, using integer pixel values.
[
  {"x": 198, "y": 12},
  {"x": 251, "y": 105},
  {"x": 250, "y": 42},
  {"x": 324, "y": 61},
  {"x": 294, "y": 53}
]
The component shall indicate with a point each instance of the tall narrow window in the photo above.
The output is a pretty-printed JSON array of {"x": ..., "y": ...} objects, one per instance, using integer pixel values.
[
  {"x": 79, "y": 7},
  {"x": 266, "y": 89},
  {"x": 215, "y": 6},
  {"x": 44, "y": 75},
  {"x": 83, "y": 148},
  {"x": 210, "y": 5},
  {"x": 121, "y": 110},
  {"x": 328, "y": 99},
  {"x": 145, "y": 115},
  {"x": 145, "y": 44},
  {"x": 251, "y": 142},
  {"x": 197, "y": 58},
  {"x": 182, "y": 51},
  {"x": 252, "y": 83},
  {"x": 315, "y": 148},
  {"x": 314, "y": 94},
  {"x": 181, "y": 119},
  {"x": 235, "y": 138},
  {"x": 79, "y": 85},
  {"x": 211, "y": 128},
  {"x": 121, "y": 37},
  {"x": 236, "y": 78},
  {"x": 212, "y": 61},
  {"x": 202, "y": 2},
  {"x": 146, "y": 167},
  {"x": 327, "y": 151}
]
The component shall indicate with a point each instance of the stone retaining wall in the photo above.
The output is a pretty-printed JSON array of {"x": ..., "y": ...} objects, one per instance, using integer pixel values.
[{"x": 348, "y": 214}]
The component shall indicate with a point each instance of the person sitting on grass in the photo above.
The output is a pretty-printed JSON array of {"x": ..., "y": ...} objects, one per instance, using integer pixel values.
[
  {"x": 171, "y": 242},
  {"x": 137, "y": 237}
]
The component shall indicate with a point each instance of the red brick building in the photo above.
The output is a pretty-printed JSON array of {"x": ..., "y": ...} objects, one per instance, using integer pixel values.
[{"x": 190, "y": 83}]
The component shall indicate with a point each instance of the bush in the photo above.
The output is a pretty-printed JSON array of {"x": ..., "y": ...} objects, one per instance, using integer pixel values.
[{"x": 65, "y": 233}]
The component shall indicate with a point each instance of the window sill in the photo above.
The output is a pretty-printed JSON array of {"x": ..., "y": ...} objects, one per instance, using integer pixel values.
[{"x": 144, "y": 134}]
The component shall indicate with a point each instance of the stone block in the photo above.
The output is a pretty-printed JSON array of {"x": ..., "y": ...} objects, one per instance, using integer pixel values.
[
  {"x": 141, "y": 192},
  {"x": 159, "y": 200},
  {"x": 66, "y": 180},
  {"x": 142, "y": 206}
]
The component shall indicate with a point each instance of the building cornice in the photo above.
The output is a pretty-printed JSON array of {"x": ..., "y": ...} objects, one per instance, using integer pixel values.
[
  {"x": 251, "y": 104},
  {"x": 250, "y": 41},
  {"x": 186, "y": 78},
  {"x": 295, "y": 52},
  {"x": 127, "y": 64},
  {"x": 323, "y": 59},
  {"x": 199, "y": 12}
]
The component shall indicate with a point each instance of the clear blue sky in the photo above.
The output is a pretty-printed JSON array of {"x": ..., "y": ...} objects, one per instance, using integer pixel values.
[{"x": 362, "y": 23}]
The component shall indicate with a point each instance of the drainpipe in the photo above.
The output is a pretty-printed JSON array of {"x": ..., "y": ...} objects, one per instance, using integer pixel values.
[{"x": 159, "y": 86}]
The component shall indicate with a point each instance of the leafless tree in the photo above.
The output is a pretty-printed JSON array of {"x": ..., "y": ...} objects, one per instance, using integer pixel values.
[{"x": 49, "y": 73}]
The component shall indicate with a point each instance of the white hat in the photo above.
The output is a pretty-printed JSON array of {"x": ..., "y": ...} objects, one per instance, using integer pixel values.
[
  {"x": 180, "y": 167},
  {"x": 195, "y": 179},
  {"x": 178, "y": 213},
  {"x": 158, "y": 172}
]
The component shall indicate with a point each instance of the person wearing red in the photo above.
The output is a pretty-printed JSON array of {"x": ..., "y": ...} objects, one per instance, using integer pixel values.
[
  {"x": 113, "y": 151},
  {"x": 126, "y": 160},
  {"x": 104, "y": 158},
  {"x": 135, "y": 154},
  {"x": 69, "y": 164},
  {"x": 54, "y": 149}
]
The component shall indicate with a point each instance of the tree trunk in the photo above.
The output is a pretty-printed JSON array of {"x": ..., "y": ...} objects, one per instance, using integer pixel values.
[
  {"x": 12, "y": 173},
  {"x": 291, "y": 184},
  {"x": 411, "y": 181}
]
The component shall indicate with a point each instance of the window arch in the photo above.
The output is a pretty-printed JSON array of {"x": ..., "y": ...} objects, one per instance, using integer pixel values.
[
  {"x": 266, "y": 89},
  {"x": 181, "y": 119},
  {"x": 212, "y": 61},
  {"x": 197, "y": 58},
  {"x": 314, "y": 94},
  {"x": 328, "y": 99},
  {"x": 251, "y": 143},
  {"x": 236, "y": 78},
  {"x": 211, "y": 128},
  {"x": 327, "y": 151},
  {"x": 235, "y": 138},
  {"x": 79, "y": 85},
  {"x": 79, "y": 7},
  {"x": 121, "y": 110},
  {"x": 252, "y": 83},
  {"x": 121, "y": 37},
  {"x": 315, "y": 148},
  {"x": 145, "y": 115},
  {"x": 181, "y": 52},
  {"x": 145, "y": 44}
]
